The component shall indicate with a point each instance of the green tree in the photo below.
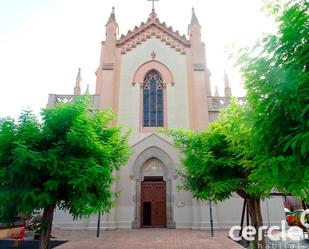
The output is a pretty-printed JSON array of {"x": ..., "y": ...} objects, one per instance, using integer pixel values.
[
  {"x": 220, "y": 161},
  {"x": 276, "y": 75},
  {"x": 67, "y": 160}
]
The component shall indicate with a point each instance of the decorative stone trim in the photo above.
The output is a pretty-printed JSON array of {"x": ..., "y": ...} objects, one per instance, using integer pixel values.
[
  {"x": 153, "y": 28},
  {"x": 67, "y": 98},
  {"x": 140, "y": 73},
  {"x": 198, "y": 67},
  {"x": 216, "y": 103},
  {"x": 64, "y": 98},
  {"x": 108, "y": 66}
]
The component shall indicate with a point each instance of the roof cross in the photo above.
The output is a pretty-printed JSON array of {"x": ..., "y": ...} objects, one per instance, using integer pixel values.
[{"x": 153, "y": 4}]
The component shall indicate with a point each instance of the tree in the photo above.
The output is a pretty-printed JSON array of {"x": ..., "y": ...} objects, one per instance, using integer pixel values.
[
  {"x": 276, "y": 77},
  {"x": 220, "y": 161},
  {"x": 67, "y": 160}
]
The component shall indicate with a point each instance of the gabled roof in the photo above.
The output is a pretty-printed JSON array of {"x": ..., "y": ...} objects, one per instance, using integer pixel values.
[{"x": 153, "y": 27}]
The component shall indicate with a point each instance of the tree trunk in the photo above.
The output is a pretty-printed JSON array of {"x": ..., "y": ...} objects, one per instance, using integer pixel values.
[
  {"x": 46, "y": 226},
  {"x": 256, "y": 218}
]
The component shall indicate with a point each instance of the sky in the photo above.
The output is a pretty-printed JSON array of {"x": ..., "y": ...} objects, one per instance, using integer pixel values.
[{"x": 44, "y": 42}]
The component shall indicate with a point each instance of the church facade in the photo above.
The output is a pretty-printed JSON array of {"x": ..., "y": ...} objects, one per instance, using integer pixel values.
[{"x": 155, "y": 78}]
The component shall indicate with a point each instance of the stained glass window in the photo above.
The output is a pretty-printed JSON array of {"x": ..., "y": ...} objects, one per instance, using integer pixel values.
[{"x": 153, "y": 100}]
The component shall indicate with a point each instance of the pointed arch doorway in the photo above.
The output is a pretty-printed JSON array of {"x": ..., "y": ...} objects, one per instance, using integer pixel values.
[
  {"x": 153, "y": 195},
  {"x": 143, "y": 167}
]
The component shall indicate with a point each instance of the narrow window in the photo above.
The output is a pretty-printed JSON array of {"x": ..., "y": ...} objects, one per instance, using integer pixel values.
[{"x": 153, "y": 100}]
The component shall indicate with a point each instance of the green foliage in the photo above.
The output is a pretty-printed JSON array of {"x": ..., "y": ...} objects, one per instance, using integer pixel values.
[
  {"x": 68, "y": 159},
  {"x": 218, "y": 161},
  {"x": 277, "y": 80}
]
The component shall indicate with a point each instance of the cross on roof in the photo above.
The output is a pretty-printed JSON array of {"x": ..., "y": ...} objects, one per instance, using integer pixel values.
[{"x": 153, "y": 4}]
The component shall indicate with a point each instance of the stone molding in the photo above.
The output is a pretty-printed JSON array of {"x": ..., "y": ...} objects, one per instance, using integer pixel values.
[
  {"x": 165, "y": 72},
  {"x": 153, "y": 28}
]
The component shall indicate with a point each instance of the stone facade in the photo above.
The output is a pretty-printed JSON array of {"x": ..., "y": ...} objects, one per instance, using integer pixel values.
[{"x": 188, "y": 103}]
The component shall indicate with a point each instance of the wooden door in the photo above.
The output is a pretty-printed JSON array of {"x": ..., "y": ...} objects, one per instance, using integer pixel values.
[{"x": 153, "y": 204}]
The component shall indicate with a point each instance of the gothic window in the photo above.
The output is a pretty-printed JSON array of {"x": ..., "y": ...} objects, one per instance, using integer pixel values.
[{"x": 153, "y": 100}]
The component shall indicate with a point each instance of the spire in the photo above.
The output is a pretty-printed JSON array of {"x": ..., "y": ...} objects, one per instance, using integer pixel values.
[
  {"x": 194, "y": 18},
  {"x": 87, "y": 90},
  {"x": 227, "y": 88},
  {"x": 216, "y": 91},
  {"x": 112, "y": 17},
  {"x": 111, "y": 27},
  {"x": 77, "y": 83}
]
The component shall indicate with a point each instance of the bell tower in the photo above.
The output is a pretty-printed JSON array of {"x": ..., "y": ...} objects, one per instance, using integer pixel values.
[
  {"x": 199, "y": 83},
  {"x": 105, "y": 82}
]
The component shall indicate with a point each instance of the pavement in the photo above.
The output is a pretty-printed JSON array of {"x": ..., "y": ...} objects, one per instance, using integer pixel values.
[{"x": 145, "y": 239}]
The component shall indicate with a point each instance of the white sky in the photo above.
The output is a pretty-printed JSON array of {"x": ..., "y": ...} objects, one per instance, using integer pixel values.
[{"x": 43, "y": 42}]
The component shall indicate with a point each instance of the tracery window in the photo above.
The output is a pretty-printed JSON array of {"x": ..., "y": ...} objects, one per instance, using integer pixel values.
[{"x": 153, "y": 100}]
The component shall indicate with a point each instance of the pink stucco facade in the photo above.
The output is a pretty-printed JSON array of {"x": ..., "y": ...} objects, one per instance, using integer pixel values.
[{"x": 188, "y": 103}]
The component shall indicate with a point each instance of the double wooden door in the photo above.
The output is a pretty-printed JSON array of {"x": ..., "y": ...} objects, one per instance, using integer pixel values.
[{"x": 153, "y": 204}]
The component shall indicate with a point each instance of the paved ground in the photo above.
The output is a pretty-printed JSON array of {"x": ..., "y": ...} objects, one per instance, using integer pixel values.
[{"x": 145, "y": 239}]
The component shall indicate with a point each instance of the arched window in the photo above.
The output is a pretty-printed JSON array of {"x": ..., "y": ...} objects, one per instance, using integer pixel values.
[{"x": 153, "y": 100}]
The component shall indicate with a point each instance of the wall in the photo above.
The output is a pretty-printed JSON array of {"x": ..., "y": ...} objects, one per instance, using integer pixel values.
[{"x": 129, "y": 96}]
